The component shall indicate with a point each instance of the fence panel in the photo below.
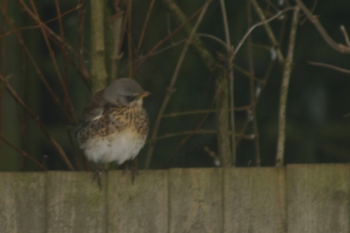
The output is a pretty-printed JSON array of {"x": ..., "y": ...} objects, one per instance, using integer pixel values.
[
  {"x": 298, "y": 198},
  {"x": 318, "y": 198},
  {"x": 195, "y": 200},
  {"x": 255, "y": 200},
  {"x": 22, "y": 202},
  {"x": 140, "y": 207},
  {"x": 75, "y": 203}
]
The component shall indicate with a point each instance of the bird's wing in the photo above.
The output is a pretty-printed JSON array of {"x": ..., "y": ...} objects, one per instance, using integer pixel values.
[{"x": 93, "y": 111}]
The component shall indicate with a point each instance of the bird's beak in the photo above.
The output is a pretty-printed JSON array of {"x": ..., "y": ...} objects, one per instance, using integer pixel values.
[{"x": 145, "y": 94}]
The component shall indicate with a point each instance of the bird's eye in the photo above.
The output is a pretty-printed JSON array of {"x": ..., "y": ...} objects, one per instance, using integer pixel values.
[{"x": 130, "y": 98}]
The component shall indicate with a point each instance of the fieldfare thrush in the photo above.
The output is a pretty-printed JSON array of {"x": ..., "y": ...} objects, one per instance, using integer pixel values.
[{"x": 114, "y": 125}]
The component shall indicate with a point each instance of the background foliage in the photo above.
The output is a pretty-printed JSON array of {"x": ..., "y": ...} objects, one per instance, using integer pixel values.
[{"x": 318, "y": 99}]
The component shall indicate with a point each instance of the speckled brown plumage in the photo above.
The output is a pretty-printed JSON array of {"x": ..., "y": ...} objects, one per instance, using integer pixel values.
[
  {"x": 114, "y": 125},
  {"x": 116, "y": 119}
]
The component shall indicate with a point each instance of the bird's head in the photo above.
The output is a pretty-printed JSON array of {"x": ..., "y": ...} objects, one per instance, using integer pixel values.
[{"x": 126, "y": 92}]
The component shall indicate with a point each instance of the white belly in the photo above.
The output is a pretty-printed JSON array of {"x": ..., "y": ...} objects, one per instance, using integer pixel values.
[{"x": 117, "y": 147}]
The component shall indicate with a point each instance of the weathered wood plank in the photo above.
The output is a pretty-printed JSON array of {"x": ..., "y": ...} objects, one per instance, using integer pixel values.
[
  {"x": 195, "y": 200},
  {"x": 22, "y": 202},
  {"x": 318, "y": 198},
  {"x": 75, "y": 203},
  {"x": 254, "y": 200},
  {"x": 139, "y": 207}
]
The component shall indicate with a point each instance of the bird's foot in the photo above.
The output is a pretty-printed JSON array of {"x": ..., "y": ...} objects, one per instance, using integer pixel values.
[
  {"x": 132, "y": 168},
  {"x": 134, "y": 171},
  {"x": 98, "y": 176}
]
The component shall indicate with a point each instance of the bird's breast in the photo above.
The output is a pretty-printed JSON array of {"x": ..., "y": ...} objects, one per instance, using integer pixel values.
[
  {"x": 117, "y": 147},
  {"x": 117, "y": 136}
]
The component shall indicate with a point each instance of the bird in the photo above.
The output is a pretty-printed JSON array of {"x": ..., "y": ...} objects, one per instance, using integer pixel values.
[{"x": 114, "y": 125}]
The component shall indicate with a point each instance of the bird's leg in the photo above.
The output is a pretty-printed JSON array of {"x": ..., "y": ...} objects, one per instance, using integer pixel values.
[
  {"x": 98, "y": 174},
  {"x": 134, "y": 170},
  {"x": 126, "y": 167}
]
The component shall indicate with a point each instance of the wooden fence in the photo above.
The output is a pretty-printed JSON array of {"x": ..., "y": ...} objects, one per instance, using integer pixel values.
[{"x": 298, "y": 199}]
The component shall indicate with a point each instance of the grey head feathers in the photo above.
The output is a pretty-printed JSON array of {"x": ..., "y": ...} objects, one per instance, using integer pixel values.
[{"x": 122, "y": 91}]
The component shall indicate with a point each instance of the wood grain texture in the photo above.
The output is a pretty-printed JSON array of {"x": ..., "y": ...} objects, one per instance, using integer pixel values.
[
  {"x": 75, "y": 203},
  {"x": 141, "y": 207},
  {"x": 318, "y": 198},
  {"x": 22, "y": 202},
  {"x": 299, "y": 198},
  {"x": 254, "y": 200},
  {"x": 195, "y": 200}
]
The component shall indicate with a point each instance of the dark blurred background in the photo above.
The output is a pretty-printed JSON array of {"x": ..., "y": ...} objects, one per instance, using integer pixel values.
[{"x": 317, "y": 131}]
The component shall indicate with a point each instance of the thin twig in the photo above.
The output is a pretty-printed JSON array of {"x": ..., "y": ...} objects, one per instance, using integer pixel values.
[
  {"x": 36, "y": 67},
  {"x": 172, "y": 83},
  {"x": 221, "y": 84},
  {"x": 168, "y": 37},
  {"x": 213, "y": 155},
  {"x": 4, "y": 34},
  {"x": 3, "y": 49},
  {"x": 265, "y": 22},
  {"x": 252, "y": 113},
  {"x": 129, "y": 26},
  {"x": 257, "y": 99},
  {"x": 329, "y": 66},
  {"x": 43, "y": 27},
  {"x": 345, "y": 34},
  {"x": 214, "y": 38},
  {"x": 59, "y": 18},
  {"x": 201, "y": 111},
  {"x": 22, "y": 152},
  {"x": 284, "y": 91},
  {"x": 81, "y": 60},
  {"x": 232, "y": 157},
  {"x": 144, "y": 27},
  {"x": 246, "y": 73},
  {"x": 201, "y": 131},
  {"x": 218, "y": 91},
  {"x": 65, "y": 54},
  {"x": 268, "y": 30},
  {"x": 155, "y": 53},
  {"x": 56, "y": 38},
  {"x": 18, "y": 99},
  {"x": 337, "y": 46}
]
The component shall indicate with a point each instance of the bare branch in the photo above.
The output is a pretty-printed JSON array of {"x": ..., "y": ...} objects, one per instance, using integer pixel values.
[
  {"x": 82, "y": 68},
  {"x": 98, "y": 63},
  {"x": 284, "y": 91},
  {"x": 268, "y": 30},
  {"x": 36, "y": 67},
  {"x": 339, "y": 47},
  {"x": 346, "y": 36},
  {"x": 231, "y": 160},
  {"x": 35, "y": 16},
  {"x": 330, "y": 67},
  {"x": 197, "y": 44},
  {"x": 201, "y": 111},
  {"x": 172, "y": 83},
  {"x": 214, "y": 38},
  {"x": 129, "y": 26},
  {"x": 201, "y": 131},
  {"x": 145, "y": 24},
  {"x": 252, "y": 89},
  {"x": 264, "y": 22},
  {"x": 116, "y": 25},
  {"x": 167, "y": 38},
  {"x": 18, "y": 99},
  {"x": 23, "y": 153}
]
